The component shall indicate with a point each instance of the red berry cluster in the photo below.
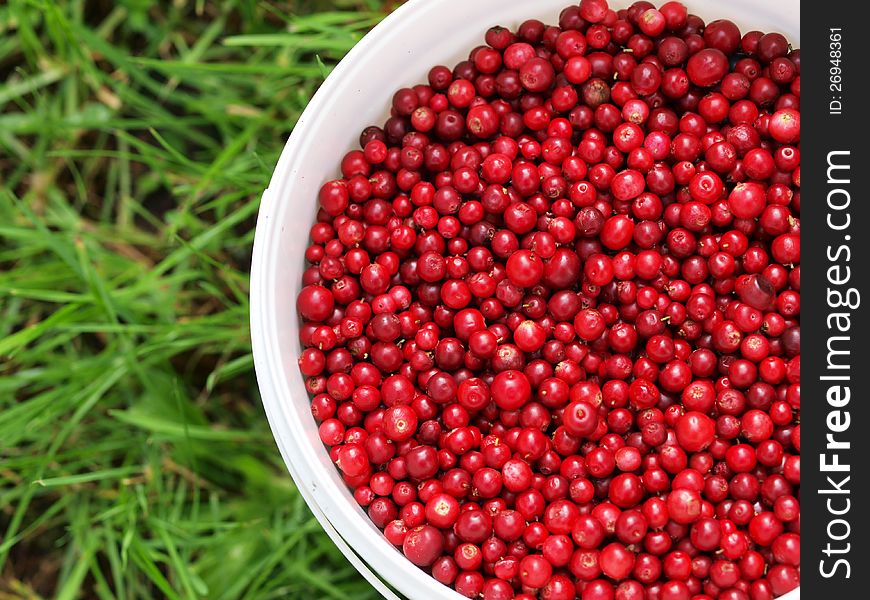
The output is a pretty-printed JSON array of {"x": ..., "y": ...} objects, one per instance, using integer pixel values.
[{"x": 551, "y": 322}]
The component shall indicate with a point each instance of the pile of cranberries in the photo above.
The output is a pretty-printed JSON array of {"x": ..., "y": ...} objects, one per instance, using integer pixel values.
[{"x": 551, "y": 318}]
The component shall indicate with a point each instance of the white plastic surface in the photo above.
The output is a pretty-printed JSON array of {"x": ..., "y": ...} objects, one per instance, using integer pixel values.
[{"x": 397, "y": 53}]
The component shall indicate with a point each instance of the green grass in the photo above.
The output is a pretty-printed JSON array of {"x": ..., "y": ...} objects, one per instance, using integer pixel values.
[{"x": 135, "y": 139}]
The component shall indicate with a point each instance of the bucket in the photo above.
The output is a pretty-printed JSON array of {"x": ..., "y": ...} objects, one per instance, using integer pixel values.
[{"x": 396, "y": 53}]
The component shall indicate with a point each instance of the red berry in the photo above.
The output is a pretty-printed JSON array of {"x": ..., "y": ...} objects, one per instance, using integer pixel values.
[
  {"x": 785, "y": 126},
  {"x": 695, "y": 431},
  {"x": 535, "y": 571},
  {"x": 510, "y": 390},
  {"x": 707, "y": 67},
  {"x": 422, "y": 545},
  {"x": 550, "y": 320},
  {"x": 315, "y": 303}
]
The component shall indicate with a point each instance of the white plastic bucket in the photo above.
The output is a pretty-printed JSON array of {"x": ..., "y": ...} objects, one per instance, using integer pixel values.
[{"x": 396, "y": 53}]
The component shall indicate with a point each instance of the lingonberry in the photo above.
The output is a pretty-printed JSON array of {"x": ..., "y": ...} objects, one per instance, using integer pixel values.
[
  {"x": 684, "y": 505},
  {"x": 695, "y": 431},
  {"x": 707, "y": 67},
  {"x": 551, "y": 319},
  {"x": 423, "y": 545}
]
